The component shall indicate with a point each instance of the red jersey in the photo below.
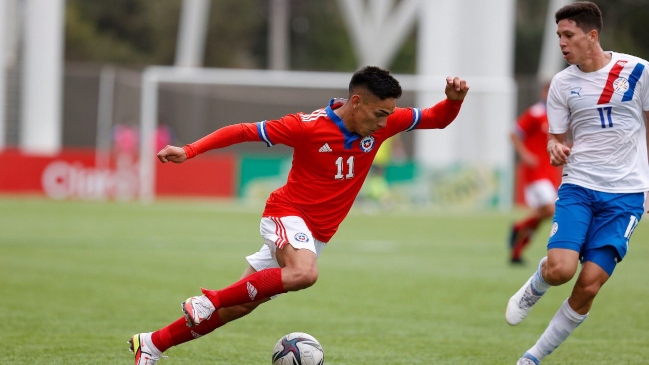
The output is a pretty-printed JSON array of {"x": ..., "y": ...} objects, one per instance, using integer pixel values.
[
  {"x": 329, "y": 164},
  {"x": 533, "y": 129}
]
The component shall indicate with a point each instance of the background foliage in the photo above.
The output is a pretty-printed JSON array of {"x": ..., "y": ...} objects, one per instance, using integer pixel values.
[{"x": 140, "y": 32}]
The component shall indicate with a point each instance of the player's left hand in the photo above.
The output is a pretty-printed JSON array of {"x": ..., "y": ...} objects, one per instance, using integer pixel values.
[
  {"x": 456, "y": 88},
  {"x": 172, "y": 154}
]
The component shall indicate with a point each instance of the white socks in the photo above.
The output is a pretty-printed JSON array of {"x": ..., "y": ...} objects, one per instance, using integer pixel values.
[
  {"x": 539, "y": 286},
  {"x": 560, "y": 327}
]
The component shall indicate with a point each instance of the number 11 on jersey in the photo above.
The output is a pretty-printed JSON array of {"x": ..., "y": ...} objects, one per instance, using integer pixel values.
[{"x": 350, "y": 168}]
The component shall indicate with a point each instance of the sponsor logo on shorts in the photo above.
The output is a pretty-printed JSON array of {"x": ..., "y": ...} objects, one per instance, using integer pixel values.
[
  {"x": 301, "y": 237},
  {"x": 554, "y": 229}
]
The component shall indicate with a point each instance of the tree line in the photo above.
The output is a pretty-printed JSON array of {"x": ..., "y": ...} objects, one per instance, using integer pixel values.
[{"x": 136, "y": 33}]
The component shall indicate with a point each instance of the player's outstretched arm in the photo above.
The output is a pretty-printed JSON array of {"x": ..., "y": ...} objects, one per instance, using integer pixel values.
[
  {"x": 443, "y": 113},
  {"x": 172, "y": 154},
  {"x": 220, "y": 138},
  {"x": 456, "y": 88}
]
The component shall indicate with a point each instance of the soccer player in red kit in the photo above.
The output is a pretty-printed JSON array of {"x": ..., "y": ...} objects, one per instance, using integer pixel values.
[
  {"x": 333, "y": 149},
  {"x": 530, "y": 139}
]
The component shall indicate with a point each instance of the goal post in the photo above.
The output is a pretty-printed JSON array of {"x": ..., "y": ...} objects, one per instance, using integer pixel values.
[
  {"x": 487, "y": 115},
  {"x": 155, "y": 75}
]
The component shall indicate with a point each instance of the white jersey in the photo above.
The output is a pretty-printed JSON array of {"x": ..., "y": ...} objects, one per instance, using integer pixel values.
[{"x": 604, "y": 111}]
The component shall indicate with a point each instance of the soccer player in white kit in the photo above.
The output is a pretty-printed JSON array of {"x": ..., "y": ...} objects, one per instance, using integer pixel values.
[{"x": 602, "y": 100}]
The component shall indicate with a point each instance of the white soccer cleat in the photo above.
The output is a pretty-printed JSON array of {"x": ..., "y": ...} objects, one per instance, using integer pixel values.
[
  {"x": 521, "y": 303},
  {"x": 527, "y": 359},
  {"x": 197, "y": 309},
  {"x": 144, "y": 354}
]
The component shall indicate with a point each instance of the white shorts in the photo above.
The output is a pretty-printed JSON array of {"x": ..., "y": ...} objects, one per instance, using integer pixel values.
[
  {"x": 277, "y": 232},
  {"x": 540, "y": 193}
]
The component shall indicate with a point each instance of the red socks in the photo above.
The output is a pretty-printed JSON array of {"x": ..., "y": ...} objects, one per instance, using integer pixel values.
[
  {"x": 260, "y": 285},
  {"x": 178, "y": 332},
  {"x": 518, "y": 248},
  {"x": 530, "y": 223},
  {"x": 527, "y": 226}
]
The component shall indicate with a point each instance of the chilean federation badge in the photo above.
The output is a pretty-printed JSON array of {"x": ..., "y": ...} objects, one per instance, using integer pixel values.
[
  {"x": 367, "y": 143},
  {"x": 301, "y": 237}
]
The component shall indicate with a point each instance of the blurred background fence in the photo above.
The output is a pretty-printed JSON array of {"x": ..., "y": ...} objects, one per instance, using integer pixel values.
[{"x": 107, "y": 46}]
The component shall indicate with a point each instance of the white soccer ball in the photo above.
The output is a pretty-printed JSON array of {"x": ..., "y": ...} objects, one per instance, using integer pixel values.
[{"x": 298, "y": 348}]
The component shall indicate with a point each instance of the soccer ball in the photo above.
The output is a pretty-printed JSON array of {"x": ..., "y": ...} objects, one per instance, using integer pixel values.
[{"x": 298, "y": 348}]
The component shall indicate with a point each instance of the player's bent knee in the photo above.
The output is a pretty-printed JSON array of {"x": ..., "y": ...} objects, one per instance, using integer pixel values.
[
  {"x": 301, "y": 279},
  {"x": 307, "y": 278},
  {"x": 557, "y": 275}
]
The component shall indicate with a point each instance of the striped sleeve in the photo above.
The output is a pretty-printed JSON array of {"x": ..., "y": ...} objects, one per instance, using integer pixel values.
[
  {"x": 416, "y": 118},
  {"x": 263, "y": 134}
]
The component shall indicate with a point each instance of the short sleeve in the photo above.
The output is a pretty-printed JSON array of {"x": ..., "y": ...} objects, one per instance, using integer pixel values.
[
  {"x": 287, "y": 130},
  {"x": 644, "y": 90},
  {"x": 403, "y": 119},
  {"x": 557, "y": 108}
]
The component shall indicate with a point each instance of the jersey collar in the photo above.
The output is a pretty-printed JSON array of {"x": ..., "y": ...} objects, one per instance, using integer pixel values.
[{"x": 350, "y": 137}]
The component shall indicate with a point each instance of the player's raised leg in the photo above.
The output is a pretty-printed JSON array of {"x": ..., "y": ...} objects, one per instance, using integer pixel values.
[
  {"x": 145, "y": 352},
  {"x": 148, "y": 347},
  {"x": 527, "y": 296},
  {"x": 300, "y": 272},
  {"x": 293, "y": 253},
  {"x": 258, "y": 286}
]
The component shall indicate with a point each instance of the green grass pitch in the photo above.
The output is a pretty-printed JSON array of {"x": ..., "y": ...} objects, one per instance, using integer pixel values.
[{"x": 77, "y": 279}]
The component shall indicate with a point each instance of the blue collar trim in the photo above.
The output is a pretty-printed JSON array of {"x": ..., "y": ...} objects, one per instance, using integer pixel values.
[{"x": 350, "y": 137}]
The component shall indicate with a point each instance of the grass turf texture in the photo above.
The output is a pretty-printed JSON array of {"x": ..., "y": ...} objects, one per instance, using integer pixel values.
[{"x": 78, "y": 279}]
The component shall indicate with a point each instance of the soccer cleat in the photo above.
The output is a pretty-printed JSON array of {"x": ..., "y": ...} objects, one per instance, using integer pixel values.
[
  {"x": 527, "y": 359},
  {"x": 517, "y": 261},
  {"x": 144, "y": 354},
  {"x": 197, "y": 309},
  {"x": 512, "y": 237},
  {"x": 521, "y": 303}
]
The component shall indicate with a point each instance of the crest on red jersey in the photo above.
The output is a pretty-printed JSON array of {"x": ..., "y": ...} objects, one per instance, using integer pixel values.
[{"x": 367, "y": 143}]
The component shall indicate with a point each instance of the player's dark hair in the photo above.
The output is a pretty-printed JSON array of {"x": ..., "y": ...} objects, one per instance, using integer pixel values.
[
  {"x": 377, "y": 81},
  {"x": 585, "y": 14}
]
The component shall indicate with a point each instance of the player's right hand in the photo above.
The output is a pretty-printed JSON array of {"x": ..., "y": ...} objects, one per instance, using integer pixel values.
[
  {"x": 559, "y": 154},
  {"x": 172, "y": 154}
]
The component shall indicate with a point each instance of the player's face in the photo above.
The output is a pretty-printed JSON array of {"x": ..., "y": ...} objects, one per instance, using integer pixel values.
[
  {"x": 575, "y": 44},
  {"x": 371, "y": 113}
]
